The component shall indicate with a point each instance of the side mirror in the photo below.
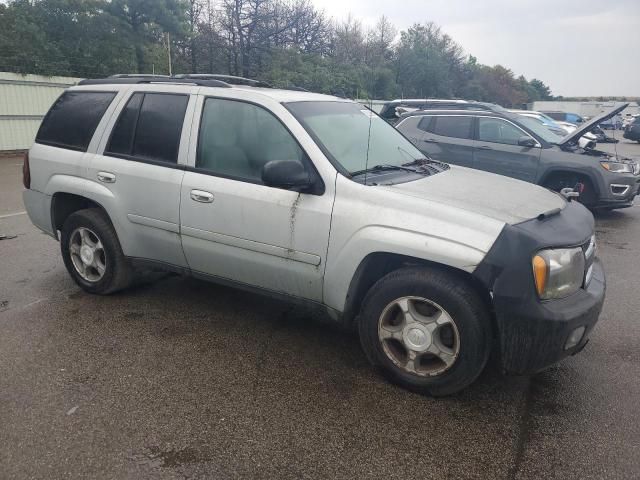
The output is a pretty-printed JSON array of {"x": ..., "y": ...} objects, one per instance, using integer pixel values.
[
  {"x": 526, "y": 141},
  {"x": 289, "y": 174}
]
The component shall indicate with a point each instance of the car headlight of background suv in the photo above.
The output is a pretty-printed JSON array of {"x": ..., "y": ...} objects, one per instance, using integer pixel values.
[
  {"x": 558, "y": 272},
  {"x": 619, "y": 167}
]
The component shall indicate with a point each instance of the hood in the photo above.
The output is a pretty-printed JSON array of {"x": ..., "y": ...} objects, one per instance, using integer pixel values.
[
  {"x": 587, "y": 126},
  {"x": 501, "y": 198}
]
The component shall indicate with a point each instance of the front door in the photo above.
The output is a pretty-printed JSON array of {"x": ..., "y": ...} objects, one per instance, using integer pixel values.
[
  {"x": 233, "y": 226},
  {"x": 497, "y": 150}
]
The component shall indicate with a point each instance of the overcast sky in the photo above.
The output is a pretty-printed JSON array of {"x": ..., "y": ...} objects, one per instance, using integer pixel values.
[{"x": 577, "y": 47}]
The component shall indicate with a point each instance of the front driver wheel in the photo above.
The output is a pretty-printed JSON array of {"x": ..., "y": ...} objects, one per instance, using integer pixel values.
[{"x": 428, "y": 330}]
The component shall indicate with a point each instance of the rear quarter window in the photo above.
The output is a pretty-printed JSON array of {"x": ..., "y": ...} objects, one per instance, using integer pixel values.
[{"x": 73, "y": 119}]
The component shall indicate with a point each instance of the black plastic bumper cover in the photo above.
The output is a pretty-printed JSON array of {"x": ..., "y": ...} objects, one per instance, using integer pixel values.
[{"x": 533, "y": 333}]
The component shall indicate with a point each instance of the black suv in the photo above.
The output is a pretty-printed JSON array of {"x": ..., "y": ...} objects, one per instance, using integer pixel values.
[
  {"x": 632, "y": 131},
  {"x": 393, "y": 110},
  {"x": 520, "y": 147}
]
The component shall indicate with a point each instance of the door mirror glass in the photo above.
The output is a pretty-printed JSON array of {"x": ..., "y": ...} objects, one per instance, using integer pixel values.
[
  {"x": 526, "y": 141},
  {"x": 289, "y": 174}
]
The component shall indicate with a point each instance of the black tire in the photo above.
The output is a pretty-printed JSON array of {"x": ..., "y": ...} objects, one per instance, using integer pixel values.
[
  {"x": 118, "y": 274},
  {"x": 463, "y": 304}
]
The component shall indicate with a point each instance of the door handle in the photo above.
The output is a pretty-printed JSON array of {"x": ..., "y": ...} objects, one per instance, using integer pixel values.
[
  {"x": 201, "y": 196},
  {"x": 428, "y": 140},
  {"x": 485, "y": 147},
  {"x": 106, "y": 177}
]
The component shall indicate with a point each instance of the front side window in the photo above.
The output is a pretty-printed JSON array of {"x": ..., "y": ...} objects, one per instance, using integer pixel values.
[
  {"x": 73, "y": 119},
  {"x": 237, "y": 139},
  {"x": 149, "y": 127},
  {"x": 353, "y": 137},
  {"x": 495, "y": 130},
  {"x": 456, "y": 127}
]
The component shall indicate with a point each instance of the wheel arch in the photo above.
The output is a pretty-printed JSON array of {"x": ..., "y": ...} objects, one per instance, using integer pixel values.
[
  {"x": 63, "y": 204},
  {"x": 378, "y": 264},
  {"x": 560, "y": 171}
]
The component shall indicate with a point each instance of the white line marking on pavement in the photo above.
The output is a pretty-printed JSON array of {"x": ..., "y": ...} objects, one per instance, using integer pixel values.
[{"x": 12, "y": 215}]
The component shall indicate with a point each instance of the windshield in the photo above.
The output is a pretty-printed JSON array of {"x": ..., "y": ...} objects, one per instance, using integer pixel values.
[
  {"x": 353, "y": 136},
  {"x": 539, "y": 129}
]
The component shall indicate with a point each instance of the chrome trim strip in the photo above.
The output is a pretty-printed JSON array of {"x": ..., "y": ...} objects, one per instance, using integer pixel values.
[{"x": 153, "y": 223}]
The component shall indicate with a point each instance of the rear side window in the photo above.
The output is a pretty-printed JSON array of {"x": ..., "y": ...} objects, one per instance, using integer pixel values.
[
  {"x": 456, "y": 127},
  {"x": 424, "y": 123},
  {"x": 73, "y": 119},
  {"x": 149, "y": 127},
  {"x": 122, "y": 137}
]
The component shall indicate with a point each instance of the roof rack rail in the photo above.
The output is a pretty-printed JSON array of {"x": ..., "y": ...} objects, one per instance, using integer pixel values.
[
  {"x": 140, "y": 79},
  {"x": 138, "y": 75},
  {"x": 231, "y": 79}
]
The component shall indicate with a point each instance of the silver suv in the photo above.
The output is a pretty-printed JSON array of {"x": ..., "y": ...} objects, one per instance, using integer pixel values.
[{"x": 310, "y": 197}]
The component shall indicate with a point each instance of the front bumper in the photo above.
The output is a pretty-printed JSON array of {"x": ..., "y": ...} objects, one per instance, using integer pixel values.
[
  {"x": 612, "y": 199},
  {"x": 532, "y": 333}
]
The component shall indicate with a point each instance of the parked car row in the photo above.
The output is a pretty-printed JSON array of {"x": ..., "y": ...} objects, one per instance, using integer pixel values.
[
  {"x": 523, "y": 146},
  {"x": 316, "y": 199}
]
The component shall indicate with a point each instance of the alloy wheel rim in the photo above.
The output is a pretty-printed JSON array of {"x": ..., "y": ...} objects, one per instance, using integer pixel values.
[
  {"x": 419, "y": 336},
  {"x": 87, "y": 254}
]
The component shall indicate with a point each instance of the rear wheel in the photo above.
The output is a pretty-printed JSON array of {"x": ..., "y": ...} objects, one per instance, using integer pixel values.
[
  {"x": 428, "y": 330},
  {"x": 92, "y": 254}
]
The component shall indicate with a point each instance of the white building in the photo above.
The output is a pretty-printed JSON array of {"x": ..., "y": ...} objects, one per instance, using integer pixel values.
[
  {"x": 584, "y": 109},
  {"x": 24, "y": 100}
]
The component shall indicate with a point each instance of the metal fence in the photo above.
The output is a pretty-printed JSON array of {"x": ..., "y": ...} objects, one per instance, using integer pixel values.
[{"x": 24, "y": 100}]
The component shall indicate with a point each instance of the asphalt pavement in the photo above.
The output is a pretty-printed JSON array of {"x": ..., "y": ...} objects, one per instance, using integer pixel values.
[{"x": 178, "y": 378}]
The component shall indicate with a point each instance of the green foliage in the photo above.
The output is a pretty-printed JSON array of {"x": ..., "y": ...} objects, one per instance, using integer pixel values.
[{"x": 285, "y": 42}]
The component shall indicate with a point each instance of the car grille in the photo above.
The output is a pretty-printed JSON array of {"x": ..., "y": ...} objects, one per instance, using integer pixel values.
[{"x": 589, "y": 250}]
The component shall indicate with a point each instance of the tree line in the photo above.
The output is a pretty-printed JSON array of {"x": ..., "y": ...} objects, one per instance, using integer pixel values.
[{"x": 284, "y": 42}]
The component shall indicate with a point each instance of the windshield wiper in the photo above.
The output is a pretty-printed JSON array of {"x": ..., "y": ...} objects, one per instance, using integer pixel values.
[
  {"x": 427, "y": 163},
  {"x": 383, "y": 167}
]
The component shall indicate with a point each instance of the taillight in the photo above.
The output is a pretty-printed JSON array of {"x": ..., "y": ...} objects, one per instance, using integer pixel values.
[{"x": 26, "y": 172}]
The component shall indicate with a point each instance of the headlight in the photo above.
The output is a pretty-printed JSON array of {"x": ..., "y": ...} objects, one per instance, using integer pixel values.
[
  {"x": 617, "y": 167},
  {"x": 558, "y": 272}
]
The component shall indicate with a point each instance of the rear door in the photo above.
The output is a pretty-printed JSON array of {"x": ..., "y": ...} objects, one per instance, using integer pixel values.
[
  {"x": 449, "y": 138},
  {"x": 497, "y": 150},
  {"x": 237, "y": 228},
  {"x": 141, "y": 166}
]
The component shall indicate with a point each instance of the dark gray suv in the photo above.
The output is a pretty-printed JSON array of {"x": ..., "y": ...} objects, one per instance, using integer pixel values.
[{"x": 519, "y": 147}]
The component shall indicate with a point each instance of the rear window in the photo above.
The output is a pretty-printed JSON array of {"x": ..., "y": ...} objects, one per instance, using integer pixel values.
[
  {"x": 149, "y": 128},
  {"x": 456, "y": 127},
  {"x": 73, "y": 119}
]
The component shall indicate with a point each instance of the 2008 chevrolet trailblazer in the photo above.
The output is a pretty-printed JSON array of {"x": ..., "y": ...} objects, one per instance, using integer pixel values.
[{"x": 314, "y": 197}]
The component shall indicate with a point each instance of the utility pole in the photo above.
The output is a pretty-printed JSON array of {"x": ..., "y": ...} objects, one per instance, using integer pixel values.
[{"x": 169, "y": 51}]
